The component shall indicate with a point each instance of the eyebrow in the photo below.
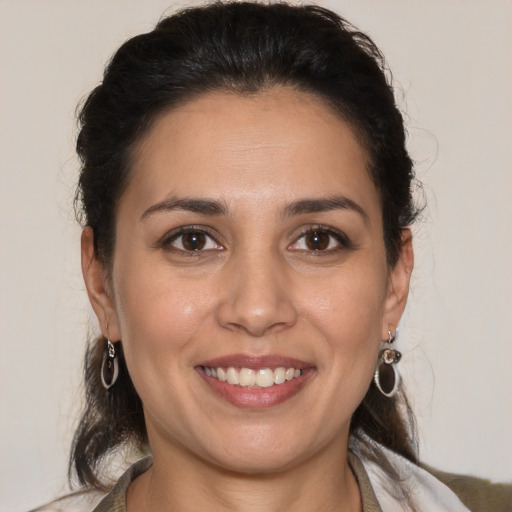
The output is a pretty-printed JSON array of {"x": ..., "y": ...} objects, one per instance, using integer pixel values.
[
  {"x": 214, "y": 207},
  {"x": 202, "y": 206},
  {"x": 324, "y": 205}
]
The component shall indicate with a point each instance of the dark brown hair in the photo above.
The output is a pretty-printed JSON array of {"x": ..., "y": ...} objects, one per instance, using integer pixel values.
[{"x": 243, "y": 48}]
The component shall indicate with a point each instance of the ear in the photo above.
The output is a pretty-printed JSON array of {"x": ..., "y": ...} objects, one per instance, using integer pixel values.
[
  {"x": 98, "y": 288},
  {"x": 398, "y": 285}
]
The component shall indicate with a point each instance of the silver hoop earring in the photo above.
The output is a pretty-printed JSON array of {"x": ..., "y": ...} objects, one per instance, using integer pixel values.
[
  {"x": 109, "y": 366},
  {"x": 387, "y": 378}
]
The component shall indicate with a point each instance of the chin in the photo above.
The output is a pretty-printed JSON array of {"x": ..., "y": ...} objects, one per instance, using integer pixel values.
[
  {"x": 253, "y": 461},
  {"x": 260, "y": 451}
]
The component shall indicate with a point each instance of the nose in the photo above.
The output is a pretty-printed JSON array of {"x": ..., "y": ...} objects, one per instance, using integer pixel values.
[{"x": 256, "y": 298}]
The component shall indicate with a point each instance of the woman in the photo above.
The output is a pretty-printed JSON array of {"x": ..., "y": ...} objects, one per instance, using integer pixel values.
[{"x": 246, "y": 193}]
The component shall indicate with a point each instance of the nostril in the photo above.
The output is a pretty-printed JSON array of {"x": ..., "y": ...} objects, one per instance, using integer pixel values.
[
  {"x": 255, "y": 295},
  {"x": 257, "y": 321}
]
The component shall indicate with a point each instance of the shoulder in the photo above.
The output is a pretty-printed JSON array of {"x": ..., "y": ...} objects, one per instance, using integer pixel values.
[
  {"x": 478, "y": 494},
  {"x": 394, "y": 479},
  {"x": 79, "y": 501},
  {"x": 96, "y": 500}
]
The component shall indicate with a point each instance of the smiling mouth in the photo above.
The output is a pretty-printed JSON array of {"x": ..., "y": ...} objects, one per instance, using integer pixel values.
[
  {"x": 255, "y": 382},
  {"x": 253, "y": 378}
]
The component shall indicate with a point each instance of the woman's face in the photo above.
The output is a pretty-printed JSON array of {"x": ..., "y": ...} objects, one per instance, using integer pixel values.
[{"x": 249, "y": 242}]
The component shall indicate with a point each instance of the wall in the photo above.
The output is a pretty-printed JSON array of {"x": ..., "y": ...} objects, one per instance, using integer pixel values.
[{"x": 451, "y": 61}]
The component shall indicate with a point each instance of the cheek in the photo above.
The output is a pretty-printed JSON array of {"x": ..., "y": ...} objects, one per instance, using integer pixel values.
[
  {"x": 159, "y": 315},
  {"x": 349, "y": 314},
  {"x": 161, "y": 320},
  {"x": 349, "y": 301}
]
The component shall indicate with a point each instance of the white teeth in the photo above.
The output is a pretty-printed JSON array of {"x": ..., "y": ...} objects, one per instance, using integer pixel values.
[
  {"x": 265, "y": 378},
  {"x": 279, "y": 375},
  {"x": 232, "y": 376},
  {"x": 221, "y": 375},
  {"x": 247, "y": 377}
]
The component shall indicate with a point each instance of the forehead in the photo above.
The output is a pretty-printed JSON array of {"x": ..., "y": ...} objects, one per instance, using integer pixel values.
[{"x": 276, "y": 145}]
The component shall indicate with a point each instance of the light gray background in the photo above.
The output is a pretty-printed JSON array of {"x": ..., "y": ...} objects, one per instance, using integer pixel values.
[{"x": 451, "y": 61}]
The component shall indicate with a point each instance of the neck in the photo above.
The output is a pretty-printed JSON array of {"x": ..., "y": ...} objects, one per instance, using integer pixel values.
[{"x": 181, "y": 482}]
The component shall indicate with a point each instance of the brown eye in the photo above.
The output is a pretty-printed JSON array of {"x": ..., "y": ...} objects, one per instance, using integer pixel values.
[
  {"x": 193, "y": 241},
  {"x": 317, "y": 240}
]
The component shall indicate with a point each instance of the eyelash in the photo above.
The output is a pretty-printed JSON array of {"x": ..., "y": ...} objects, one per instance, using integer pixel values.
[
  {"x": 167, "y": 242},
  {"x": 342, "y": 240}
]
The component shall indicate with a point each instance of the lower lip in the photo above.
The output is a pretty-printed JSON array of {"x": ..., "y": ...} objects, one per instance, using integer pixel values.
[{"x": 256, "y": 398}]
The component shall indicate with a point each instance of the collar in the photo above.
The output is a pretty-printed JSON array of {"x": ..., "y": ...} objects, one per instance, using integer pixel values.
[{"x": 375, "y": 484}]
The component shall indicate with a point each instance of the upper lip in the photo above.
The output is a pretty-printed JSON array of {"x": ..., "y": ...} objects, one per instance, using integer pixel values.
[{"x": 256, "y": 362}]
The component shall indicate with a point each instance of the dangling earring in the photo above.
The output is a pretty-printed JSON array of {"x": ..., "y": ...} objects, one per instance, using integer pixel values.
[
  {"x": 109, "y": 366},
  {"x": 386, "y": 375}
]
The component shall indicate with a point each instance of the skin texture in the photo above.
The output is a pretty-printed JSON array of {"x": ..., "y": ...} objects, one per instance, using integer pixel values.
[{"x": 256, "y": 289}]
